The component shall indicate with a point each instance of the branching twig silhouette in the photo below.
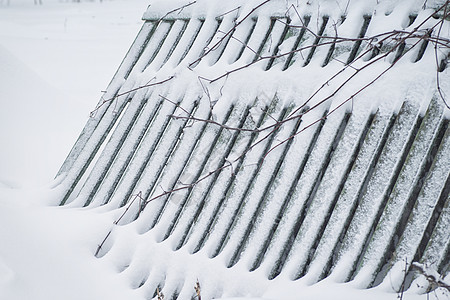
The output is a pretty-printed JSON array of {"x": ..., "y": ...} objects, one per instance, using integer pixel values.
[
  {"x": 129, "y": 92},
  {"x": 385, "y": 46},
  {"x": 228, "y": 33},
  {"x": 435, "y": 279},
  {"x": 179, "y": 9},
  {"x": 135, "y": 197}
]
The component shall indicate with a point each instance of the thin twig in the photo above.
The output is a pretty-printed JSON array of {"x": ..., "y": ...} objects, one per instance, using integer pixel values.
[
  {"x": 129, "y": 92},
  {"x": 180, "y": 9},
  {"x": 228, "y": 33}
]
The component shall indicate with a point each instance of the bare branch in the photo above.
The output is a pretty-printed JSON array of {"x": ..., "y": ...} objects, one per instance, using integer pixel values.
[
  {"x": 438, "y": 86},
  {"x": 176, "y": 104},
  {"x": 435, "y": 279},
  {"x": 127, "y": 93},
  {"x": 391, "y": 41},
  {"x": 228, "y": 33},
  {"x": 179, "y": 9}
]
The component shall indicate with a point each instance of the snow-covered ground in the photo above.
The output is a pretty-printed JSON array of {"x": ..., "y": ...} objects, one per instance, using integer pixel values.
[{"x": 54, "y": 61}]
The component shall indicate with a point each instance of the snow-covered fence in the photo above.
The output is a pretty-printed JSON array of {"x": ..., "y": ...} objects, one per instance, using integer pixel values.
[{"x": 273, "y": 141}]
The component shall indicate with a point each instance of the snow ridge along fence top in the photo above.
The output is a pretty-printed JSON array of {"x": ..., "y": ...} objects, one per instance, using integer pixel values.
[{"x": 294, "y": 142}]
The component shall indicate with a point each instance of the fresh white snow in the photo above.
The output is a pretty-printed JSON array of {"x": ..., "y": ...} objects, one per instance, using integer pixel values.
[
  {"x": 47, "y": 252},
  {"x": 54, "y": 61}
]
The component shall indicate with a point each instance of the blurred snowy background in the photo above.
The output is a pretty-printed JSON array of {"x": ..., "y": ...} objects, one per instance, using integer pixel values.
[{"x": 55, "y": 59}]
